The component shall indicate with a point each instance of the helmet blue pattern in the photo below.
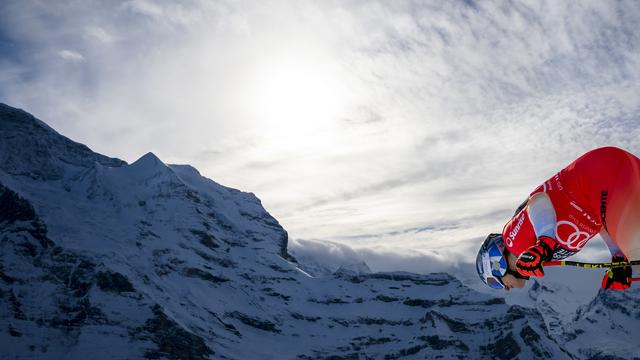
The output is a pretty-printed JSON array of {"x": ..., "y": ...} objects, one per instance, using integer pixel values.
[{"x": 491, "y": 262}]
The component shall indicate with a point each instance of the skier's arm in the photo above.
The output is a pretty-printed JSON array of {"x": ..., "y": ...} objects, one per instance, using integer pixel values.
[
  {"x": 613, "y": 247},
  {"x": 543, "y": 218},
  {"x": 615, "y": 278},
  {"x": 542, "y": 215}
]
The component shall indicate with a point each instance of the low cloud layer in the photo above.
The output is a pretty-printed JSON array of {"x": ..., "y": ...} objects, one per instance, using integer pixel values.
[
  {"x": 397, "y": 128},
  {"x": 334, "y": 255}
]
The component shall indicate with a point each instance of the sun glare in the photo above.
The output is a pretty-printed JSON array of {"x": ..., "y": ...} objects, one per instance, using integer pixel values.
[{"x": 298, "y": 96}]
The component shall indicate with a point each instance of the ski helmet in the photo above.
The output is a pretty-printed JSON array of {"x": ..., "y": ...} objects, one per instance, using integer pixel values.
[{"x": 491, "y": 263}]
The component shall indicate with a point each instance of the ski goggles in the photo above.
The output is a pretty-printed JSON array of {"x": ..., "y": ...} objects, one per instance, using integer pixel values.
[
  {"x": 491, "y": 277},
  {"x": 495, "y": 283}
]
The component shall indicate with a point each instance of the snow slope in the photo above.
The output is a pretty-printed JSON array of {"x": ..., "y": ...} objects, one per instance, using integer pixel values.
[{"x": 107, "y": 260}]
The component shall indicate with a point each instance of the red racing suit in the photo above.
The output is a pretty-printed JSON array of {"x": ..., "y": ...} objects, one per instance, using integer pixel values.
[{"x": 598, "y": 191}]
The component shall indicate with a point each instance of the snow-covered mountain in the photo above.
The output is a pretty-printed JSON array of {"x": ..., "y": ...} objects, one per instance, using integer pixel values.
[{"x": 102, "y": 259}]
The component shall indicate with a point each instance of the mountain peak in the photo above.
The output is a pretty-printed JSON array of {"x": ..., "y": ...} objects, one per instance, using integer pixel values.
[
  {"x": 149, "y": 165},
  {"x": 15, "y": 118},
  {"x": 29, "y": 147},
  {"x": 148, "y": 159}
]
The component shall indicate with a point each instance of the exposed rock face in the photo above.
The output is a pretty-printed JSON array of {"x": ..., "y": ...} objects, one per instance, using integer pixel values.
[
  {"x": 611, "y": 322},
  {"x": 106, "y": 260},
  {"x": 58, "y": 299},
  {"x": 31, "y": 148},
  {"x": 604, "y": 328}
]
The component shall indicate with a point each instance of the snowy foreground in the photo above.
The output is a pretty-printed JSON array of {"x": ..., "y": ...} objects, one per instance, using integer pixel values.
[{"x": 100, "y": 259}]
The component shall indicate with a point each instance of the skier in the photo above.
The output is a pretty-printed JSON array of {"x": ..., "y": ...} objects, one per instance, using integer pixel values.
[{"x": 598, "y": 193}]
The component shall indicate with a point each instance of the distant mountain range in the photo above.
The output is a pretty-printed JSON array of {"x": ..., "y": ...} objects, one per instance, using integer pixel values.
[{"x": 100, "y": 259}]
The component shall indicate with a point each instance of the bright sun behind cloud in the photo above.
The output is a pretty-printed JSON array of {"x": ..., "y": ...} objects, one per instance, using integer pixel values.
[{"x": 297, "y": 95}]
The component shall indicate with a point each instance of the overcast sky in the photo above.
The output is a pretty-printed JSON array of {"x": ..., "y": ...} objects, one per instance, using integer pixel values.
[{"x": 407, "y": 130}]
